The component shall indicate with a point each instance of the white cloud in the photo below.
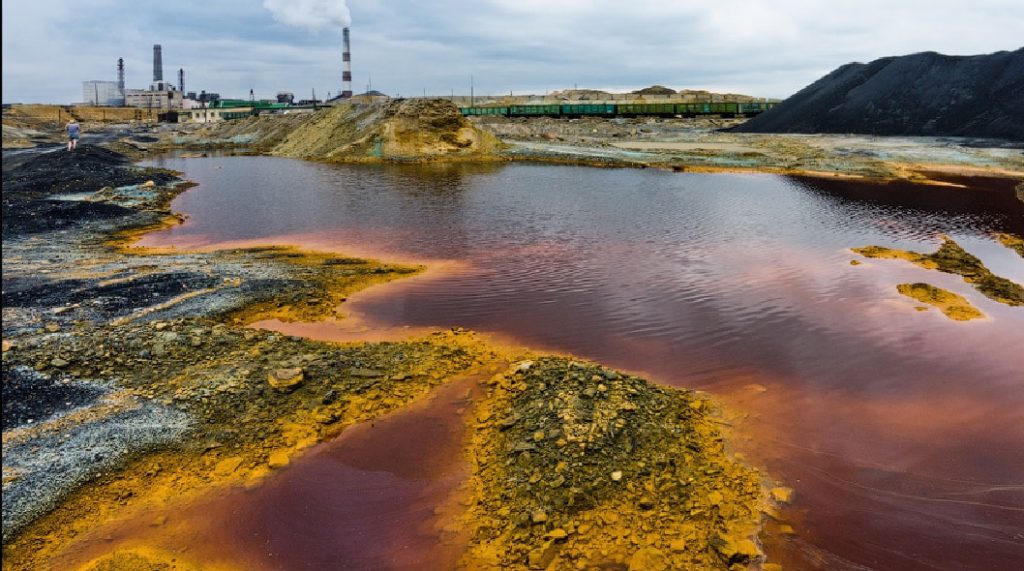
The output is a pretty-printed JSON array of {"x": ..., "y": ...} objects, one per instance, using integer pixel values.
[{"x": 311, "y": 14}]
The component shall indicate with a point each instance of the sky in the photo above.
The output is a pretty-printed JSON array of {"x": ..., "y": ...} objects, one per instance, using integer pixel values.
[{"x": 411, "y": 47}]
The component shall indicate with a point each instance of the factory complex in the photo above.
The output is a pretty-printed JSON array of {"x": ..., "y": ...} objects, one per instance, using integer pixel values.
[{"x": 173, "y": 103}]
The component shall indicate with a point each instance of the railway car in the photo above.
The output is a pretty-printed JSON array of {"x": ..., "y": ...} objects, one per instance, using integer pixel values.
[
  {"x": 753, "y": 108},
  {"x": 723, "y": 108},
  {"x": 694, "y": 109},
  {"x": 535, "y": 111},
  {"x": 477, "y": 111},
  {"x": 646, "y": 109},
  {"x": 588, "y": 110}
]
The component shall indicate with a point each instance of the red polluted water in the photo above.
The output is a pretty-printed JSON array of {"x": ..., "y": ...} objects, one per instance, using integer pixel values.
[
  {"x": 899, "y": 430},
  {"x": 383, "y": 495}
]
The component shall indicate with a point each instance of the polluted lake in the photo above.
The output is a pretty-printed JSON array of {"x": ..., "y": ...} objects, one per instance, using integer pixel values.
[
  {"x": 516, "y": 365},
  {"x": 892, "y": 424}
]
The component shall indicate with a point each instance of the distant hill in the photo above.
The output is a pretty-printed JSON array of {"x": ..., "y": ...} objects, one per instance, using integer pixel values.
[{"x": 919, "y": 94}]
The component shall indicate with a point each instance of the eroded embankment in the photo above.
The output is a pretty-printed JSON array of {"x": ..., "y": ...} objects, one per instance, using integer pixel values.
[
  {"x": 397, "y": 131},
  {"x": 169, "y": 398}
]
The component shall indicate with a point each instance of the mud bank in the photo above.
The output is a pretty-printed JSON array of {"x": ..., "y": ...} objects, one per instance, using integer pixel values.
[{"x": 153, "y": 391}]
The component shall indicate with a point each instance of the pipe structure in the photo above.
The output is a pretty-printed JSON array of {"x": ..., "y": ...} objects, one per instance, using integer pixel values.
[
  {"x": 346, "y": 74},
  {"x": 120, "y": 77},
  {"x": 158, "y": 64},
  {"x": 181, "y": 80}
]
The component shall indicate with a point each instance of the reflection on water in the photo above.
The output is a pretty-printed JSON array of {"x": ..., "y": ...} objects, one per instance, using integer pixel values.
[{"x": 900, "y": 430}]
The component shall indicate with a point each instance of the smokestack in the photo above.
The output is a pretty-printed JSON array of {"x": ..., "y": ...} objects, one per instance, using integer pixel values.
[
  {"x": 158, "y": 64},
  {"x": 346, "y": 74},
  {"x": 181, "y": 80},
  {"x": 120, "y": 76}
]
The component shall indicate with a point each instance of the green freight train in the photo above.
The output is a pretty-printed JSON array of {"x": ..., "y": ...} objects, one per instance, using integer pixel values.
[{"x": 725, "y": 108}]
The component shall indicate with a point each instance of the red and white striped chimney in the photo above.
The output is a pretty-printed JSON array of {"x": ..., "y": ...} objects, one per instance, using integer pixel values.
[{"x": 346, "y": 74}]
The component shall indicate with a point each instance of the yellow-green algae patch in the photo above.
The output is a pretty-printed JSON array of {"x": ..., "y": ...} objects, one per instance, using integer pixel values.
[
  {"x": 951, "y": 258},
  {"x": 1015, "y": 243},
  {"x": 952, "y": 305},
  {"x": 579, "y": 467}
]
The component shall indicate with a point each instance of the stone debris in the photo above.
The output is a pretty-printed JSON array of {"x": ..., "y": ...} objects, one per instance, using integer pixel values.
[
  {"x": 633, "y": 476},
  {"x": 286, "y": 379}
]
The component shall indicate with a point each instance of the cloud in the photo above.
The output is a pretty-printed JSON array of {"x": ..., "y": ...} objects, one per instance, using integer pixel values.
[
  {"x": 762, "y": 48},
  {"x": 310, "y": 14}
]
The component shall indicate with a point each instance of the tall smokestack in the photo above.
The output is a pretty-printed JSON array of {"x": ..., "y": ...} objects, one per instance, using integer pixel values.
[
  {"x": 181, "y": 80},
  {"x": 120, "y": 76},
  {"x": 346, "y": 74},
  {"x": 158, "y": 64}
]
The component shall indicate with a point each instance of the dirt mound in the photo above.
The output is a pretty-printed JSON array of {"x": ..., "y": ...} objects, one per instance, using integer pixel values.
[
  {"x": 260, "y": 134},
  {"x": 570, "y": 458},
  {"x": 29, "y": 182},
  {"x": 402, "y": 130},
  {"x": 655, "y": 90},
  {"x": 581, "y": 95},
  {"x": 919, "y": 94},
  {"x": 88, "y": 168}
]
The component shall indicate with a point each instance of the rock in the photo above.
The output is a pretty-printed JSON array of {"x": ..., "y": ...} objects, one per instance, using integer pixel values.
[
  {"x": 543, "y": 557},
  {"x": 616, "y": 475},
  {"x": 855, "y": 262},
  {"x": 524, "y": 366},
  {"x": 148, "y": 184},
  {"x": 648, "y": 559},
  {"x": 227, "y": 466},
  {"x": 782, "y": 494},
  {"x": 53, "y": 327},
  {"x": 678, "y": 545},
  {"x": 771, "y": 567},
  {"x": 330, "y": 397},
  {"x": 59, "y": 363},
  {"x": 538, "y": 516},
  {"x": 740, "y": 551},
  {"x": 524, "y": 447},
  {"x": 286, "y": 379},
  {"x": 509, "y": 421},
  {"x": 158, "y": 521},
  {"x": 278, "y": 459},
  {"x": 7, "y": 345},
  {"x": 557, "y": 534}
]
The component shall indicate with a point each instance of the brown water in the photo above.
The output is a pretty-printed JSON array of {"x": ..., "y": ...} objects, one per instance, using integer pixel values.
[{"x": 901, "y": 431}]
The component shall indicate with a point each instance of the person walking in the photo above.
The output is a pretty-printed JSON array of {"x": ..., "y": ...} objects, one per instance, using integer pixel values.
[{"x": 74, "y": 130}]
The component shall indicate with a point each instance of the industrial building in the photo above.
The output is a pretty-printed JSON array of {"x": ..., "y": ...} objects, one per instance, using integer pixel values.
[
  {"x": 145, "y": 99},
  {"x": 162, "y": 95},
  {"x": 102, "y": 93}
]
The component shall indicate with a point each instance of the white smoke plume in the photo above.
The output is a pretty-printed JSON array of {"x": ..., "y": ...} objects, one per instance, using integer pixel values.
[{"x": 311, "y": 14}]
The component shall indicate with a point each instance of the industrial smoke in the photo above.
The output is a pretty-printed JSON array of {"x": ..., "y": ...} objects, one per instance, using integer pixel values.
[{"x": 311, "y": 14}]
